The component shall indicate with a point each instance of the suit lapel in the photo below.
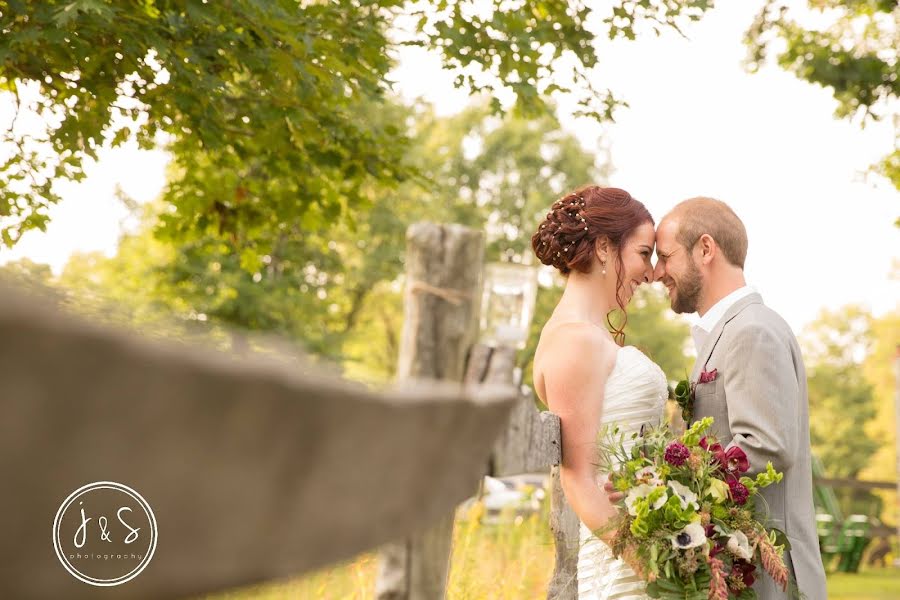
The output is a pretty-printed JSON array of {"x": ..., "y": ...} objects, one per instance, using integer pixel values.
[{"x": 716, "y": 333}]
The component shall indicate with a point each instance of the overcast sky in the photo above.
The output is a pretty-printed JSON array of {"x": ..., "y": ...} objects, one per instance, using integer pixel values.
[{"x": 821, "y": 232}]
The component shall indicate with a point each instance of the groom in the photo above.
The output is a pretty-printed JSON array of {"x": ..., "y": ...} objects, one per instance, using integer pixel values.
[{"x": 758, "y": 396}]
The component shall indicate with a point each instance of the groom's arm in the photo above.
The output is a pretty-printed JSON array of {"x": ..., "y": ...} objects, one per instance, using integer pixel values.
[{"x": 763, "y": 397}]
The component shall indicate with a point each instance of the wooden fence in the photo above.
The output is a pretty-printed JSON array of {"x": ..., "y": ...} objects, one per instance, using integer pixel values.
[{"x": 322, "y": 469}]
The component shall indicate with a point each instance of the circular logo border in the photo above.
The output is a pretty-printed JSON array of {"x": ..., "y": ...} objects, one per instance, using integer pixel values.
[{"x": 57, "y": 546}]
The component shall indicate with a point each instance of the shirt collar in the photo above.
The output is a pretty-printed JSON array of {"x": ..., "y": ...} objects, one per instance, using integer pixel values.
[{"x": 708, "y": 321}]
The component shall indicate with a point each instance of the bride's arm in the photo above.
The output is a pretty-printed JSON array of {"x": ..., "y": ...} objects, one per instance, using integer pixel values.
[{"x": 575, "y": 379}]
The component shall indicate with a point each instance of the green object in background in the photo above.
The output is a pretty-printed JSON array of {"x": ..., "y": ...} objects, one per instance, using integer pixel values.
[
  {"x": 840, "y": 540},
  {"x": 854, "y": 538}
]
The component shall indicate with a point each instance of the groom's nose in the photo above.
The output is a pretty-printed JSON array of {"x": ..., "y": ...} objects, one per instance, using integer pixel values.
[{"x": 659, "y": 271}]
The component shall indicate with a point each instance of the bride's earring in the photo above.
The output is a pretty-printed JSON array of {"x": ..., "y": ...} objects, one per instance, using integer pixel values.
[{"x": 604, "y": 268}]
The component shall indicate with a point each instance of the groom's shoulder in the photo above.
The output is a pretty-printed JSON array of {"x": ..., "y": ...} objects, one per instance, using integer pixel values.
[{"x": 760, "y": 319}]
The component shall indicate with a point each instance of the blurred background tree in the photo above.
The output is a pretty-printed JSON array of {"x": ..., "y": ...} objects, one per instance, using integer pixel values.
[
  {"x": 850, "y": 48},
  {"x": 878, "y": 368},
  {"x": 850, "y": 381}
]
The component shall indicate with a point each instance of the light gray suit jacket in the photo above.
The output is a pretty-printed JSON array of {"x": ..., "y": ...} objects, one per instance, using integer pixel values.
[{"x": 759, "y": 403}]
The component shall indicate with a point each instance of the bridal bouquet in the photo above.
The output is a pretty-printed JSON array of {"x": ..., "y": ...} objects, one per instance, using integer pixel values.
[{"x": 690, "y": 523}]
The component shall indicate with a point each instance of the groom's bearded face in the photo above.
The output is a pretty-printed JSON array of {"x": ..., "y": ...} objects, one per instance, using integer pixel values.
[
  {"x": 686, "y": 287},
  {"x": 676, "y": 269}
]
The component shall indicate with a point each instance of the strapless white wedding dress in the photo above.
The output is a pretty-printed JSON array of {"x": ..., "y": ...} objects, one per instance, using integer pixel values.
[{"x": 636, "y": 393}]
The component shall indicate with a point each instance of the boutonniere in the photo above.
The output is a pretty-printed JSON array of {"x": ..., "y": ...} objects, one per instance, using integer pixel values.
[
  {"x": 683, "y": 393},
  {"x": 708, "y": 376}
]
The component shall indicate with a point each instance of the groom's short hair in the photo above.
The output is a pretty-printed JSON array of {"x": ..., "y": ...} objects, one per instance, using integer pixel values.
[{"x": 700, "y": 215}]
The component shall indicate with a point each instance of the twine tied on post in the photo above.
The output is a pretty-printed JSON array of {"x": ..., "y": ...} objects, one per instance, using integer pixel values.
[{"x": 453, "y": 296}]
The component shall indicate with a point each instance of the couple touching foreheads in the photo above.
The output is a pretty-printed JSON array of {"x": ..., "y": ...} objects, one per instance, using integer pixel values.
[{"x": 602, "y": 240}]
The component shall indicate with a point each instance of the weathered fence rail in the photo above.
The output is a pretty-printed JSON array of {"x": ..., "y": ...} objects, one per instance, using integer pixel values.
[
  {"x": 323, "y": 469},
  {"x": 254, "y": 473}
]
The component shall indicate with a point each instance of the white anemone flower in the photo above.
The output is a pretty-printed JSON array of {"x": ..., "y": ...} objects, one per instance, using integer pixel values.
[
  {"x": 649, "y": 476},
  {"x": 739, "y": 545},
  {"x": 642, "y": 491},
  {"x": 690, "y": 537},
  {"x": 685, "y": 495}
]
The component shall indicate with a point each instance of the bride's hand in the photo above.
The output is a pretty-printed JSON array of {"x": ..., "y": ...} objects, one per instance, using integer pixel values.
[
  {"x": 614, "y": 495},
  {"x": 631, "y": 558}
]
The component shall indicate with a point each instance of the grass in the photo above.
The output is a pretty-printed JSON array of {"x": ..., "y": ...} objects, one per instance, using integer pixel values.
[
  {"x": 509, "y": 562},
  {"x": 869, "y": 584}
]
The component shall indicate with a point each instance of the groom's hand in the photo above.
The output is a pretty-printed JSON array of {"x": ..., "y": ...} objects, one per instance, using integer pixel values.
[{"x": 614, "y": 496}]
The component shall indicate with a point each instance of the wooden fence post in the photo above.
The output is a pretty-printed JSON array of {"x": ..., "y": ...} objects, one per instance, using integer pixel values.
[
  {"x": 531, "y": 443},
  {"x": 444, "y": 266},
  {"x": 565, "y": 527}
]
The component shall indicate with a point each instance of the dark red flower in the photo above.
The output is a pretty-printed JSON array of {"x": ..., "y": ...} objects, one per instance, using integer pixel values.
[
  {"x": 709, "y": 441},
  {"x": 745, "y": 571},
  {"x": 711, "y": 445},
  {"x": 716, "y": 549},
  {"x": 739, "y": 492},
  {"x": 677, "y": 453},
  {"x": 708, "y": 376},
  {"x": 710, "y": 531},
  {"x": 736, "y": 461}
]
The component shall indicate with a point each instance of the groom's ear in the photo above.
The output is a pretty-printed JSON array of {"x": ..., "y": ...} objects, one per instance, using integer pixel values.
[{"x": 708, "y": 248}]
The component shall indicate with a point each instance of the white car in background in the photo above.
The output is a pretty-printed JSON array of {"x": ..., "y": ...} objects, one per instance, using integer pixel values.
[{"x": 509, "y": 497}]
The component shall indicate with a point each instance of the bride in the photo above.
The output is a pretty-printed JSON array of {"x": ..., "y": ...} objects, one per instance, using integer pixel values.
[{"x": 601, "y": 239}]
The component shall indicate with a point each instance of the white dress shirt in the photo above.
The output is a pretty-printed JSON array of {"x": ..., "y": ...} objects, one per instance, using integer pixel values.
[{"x": 708, "y": 322}]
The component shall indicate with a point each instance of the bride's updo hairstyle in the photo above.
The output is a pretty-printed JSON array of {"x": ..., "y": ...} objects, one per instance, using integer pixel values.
[{"x": 566, "y": 238}]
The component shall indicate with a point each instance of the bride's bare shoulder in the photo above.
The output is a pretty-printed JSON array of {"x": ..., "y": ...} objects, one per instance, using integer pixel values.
[
  {"x": 573, "y": 355},
  {"x": 575, "y": 342}
]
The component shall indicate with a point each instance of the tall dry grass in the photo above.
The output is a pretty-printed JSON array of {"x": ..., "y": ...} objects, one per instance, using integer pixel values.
[
  {"x": 512, "y": 561},
  {"x": 509, "y": 561}
]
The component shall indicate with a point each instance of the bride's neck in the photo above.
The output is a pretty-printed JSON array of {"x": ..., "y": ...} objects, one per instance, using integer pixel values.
[{"x": 583, "y": 299}]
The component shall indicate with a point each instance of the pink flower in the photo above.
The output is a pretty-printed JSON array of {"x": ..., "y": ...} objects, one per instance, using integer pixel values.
[
  {"x": 708, "y": 376},
  {"x": 677, "y": 453},
  {"x": 739, "y": 492}
]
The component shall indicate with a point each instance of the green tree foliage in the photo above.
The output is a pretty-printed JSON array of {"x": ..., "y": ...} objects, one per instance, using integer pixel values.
[
  {"x": 263, "y": 104},
  {"x": 853, "y": 52},
  {"x": 499, "y": 175},
  {"x": 337, "y": 290},
  {"x": 879, "y": 372},
  {"x": 841, "y": 399}
]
